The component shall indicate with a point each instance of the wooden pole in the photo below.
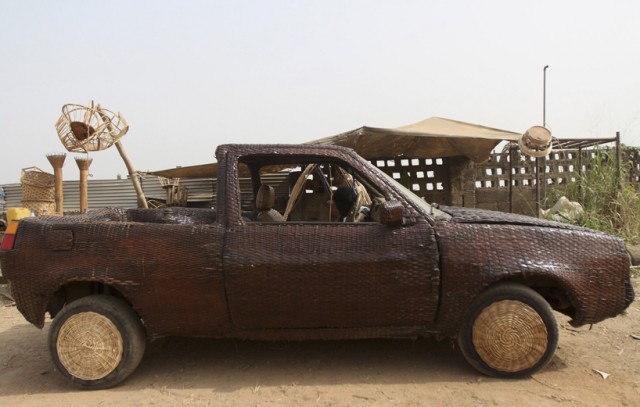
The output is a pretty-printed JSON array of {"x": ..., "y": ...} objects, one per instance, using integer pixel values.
[
  {"x": 57, "y": 161},
  {"x": 142, "y": 201},
  {"x": 83, "y": 165},
  {"x": 579, "y": 178},
  {"x": 511, "y": 148},
  {"x": 537, "y": 172}
]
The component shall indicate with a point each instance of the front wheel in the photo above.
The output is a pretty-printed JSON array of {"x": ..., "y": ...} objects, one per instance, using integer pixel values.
[
  {"x": 96, "y": 341},
  {"x": 509, "y": 331}
]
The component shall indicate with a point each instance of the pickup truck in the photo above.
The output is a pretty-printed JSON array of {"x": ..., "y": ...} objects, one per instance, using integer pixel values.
[{"x": 339, "y": 251}]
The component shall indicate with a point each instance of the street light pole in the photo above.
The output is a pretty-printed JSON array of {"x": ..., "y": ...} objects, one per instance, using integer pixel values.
[
  {"x": 544, "y": 161},
  {"x": 544, "y": 96}
]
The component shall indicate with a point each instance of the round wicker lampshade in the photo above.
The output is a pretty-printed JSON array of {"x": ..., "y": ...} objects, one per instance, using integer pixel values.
[
  {"x": 89, "y": 128},
  {"x": 510, "y": 336},
  {"x": 536, "y": 142}
]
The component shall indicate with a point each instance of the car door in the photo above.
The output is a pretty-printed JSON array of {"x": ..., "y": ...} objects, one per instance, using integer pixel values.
[{"x": 330, "y": 275}]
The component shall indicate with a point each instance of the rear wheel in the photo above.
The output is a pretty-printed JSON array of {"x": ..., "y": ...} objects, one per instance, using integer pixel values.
[
  {"x": 509, "y": 331},
  {"x": 97, "y": 341}
]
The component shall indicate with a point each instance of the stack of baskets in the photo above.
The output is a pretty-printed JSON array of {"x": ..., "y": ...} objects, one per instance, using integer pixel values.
[{"x": 38, "y": 191}]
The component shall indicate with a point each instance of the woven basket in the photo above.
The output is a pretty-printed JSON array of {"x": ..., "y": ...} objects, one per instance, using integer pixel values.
[
  {"x": 105, "y": 350},
  {"x": 36, "y": 177},
  {"x": 510, "y": 336},
  {"x": 37, "y": 185},
  {"x": 41, "y": 208}
]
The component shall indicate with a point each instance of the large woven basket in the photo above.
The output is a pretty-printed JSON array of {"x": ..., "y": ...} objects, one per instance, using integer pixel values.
[{"x": 37, "y": 185}]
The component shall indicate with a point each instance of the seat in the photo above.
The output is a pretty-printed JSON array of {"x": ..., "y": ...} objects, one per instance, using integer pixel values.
[{"x": 265, "y": 199}]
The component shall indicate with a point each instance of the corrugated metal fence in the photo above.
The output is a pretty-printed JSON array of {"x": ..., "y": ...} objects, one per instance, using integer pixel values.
[{"x": 117, "y": 193}]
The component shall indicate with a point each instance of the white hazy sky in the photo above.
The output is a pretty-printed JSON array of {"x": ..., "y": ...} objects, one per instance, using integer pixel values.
[{"x": 189, "y": 75}]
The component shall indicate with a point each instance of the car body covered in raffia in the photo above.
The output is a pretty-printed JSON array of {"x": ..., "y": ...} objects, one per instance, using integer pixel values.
[{"x": 338, "y": 251}]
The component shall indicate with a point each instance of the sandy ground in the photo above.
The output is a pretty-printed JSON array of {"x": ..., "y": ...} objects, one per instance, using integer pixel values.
[{"x": 197, "y": 372}]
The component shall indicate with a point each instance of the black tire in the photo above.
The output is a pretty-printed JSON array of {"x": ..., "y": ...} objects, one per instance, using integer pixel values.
[
  {"x": 97, "y": 341},
  {"x": 509, "y": 331}
]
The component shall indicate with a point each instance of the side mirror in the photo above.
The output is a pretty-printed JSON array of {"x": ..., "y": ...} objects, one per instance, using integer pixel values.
[{"x": 389, "y": 213}]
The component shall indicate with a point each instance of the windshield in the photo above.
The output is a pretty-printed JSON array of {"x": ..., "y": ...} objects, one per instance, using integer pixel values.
[{"x": 415, "y": 199}]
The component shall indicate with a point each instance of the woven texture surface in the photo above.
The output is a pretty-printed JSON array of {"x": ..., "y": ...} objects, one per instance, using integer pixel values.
[
  {"x": 359, "y": 275},
  {"x": 172, "y": 271},
  {"x": 592, "y": 268},
  {"x": 510, "y": 336},
  {"x": 37, "y": 186}
]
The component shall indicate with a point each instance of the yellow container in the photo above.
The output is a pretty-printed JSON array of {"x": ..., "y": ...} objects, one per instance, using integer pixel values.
[{"x": 17, "y": 214}]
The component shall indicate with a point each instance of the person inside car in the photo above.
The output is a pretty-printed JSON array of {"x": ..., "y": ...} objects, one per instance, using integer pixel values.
[{"x": 345, "y": 201}]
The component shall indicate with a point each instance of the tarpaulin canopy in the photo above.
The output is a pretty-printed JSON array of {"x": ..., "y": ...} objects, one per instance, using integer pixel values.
[{"x": 431, "y": 138}]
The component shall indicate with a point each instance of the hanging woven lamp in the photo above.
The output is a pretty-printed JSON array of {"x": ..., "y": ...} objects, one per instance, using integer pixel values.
[{"x": 89, "y": 128}]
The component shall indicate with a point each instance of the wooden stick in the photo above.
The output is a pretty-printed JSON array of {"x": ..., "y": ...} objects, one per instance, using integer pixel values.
[{"x": 142, "y": 201}]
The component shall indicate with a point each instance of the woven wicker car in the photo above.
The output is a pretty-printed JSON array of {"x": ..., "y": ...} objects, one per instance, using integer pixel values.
[{"x": 337, "y": 250}]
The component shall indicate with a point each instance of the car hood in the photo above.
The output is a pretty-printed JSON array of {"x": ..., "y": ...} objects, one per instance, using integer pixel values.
[{"x": 483, "y": 216}]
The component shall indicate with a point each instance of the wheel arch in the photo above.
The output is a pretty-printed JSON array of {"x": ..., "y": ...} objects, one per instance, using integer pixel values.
[
  {"x": 74, "y": 290},
  {"x": 552, "y": 288},
  {"x": 557, "y": 288}
]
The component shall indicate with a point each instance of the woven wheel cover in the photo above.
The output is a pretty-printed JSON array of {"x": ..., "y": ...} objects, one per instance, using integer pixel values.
[
  {"x": 89, "y": 346},
  {"x": 509, "y": 336}
]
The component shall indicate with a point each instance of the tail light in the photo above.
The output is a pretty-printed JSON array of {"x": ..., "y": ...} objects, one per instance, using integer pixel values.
[{"x": 9, "y": 236}]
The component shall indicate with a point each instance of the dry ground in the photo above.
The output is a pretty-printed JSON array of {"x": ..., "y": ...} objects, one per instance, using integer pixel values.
[{"x": 197, "y": 372}]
